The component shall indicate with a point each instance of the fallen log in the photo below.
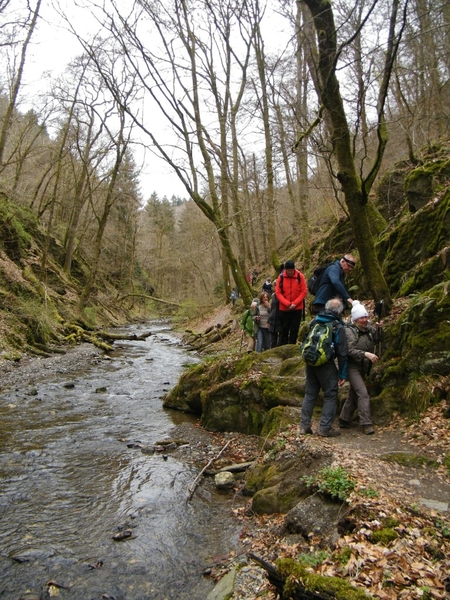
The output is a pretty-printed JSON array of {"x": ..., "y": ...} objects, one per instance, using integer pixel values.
[
  {"x": 123, "y": 336},
  {"x": 93, "y": 339},
  {"x": 235, "y": 468},
  {"x": 216, "y": 335},
  {"x": 150, "y": 298}
]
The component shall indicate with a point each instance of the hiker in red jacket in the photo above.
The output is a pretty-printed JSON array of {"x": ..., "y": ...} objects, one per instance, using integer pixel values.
[{"x": 290, "y": 291}]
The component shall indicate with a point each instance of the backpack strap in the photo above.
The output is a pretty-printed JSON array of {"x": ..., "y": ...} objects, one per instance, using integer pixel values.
[{"x": 281, "y": 280}]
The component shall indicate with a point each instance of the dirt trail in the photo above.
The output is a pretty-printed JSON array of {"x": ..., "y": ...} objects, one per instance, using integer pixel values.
[{"x": 400, "y": 464}]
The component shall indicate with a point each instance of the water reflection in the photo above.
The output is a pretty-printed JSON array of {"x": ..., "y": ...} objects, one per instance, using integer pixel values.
[{"x": 68, "y": 483}]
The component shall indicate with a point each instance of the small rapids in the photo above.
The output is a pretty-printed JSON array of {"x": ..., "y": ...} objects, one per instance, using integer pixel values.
[{"x": 69, "y": 483}]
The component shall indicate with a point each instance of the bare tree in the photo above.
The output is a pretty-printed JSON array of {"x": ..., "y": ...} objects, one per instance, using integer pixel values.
[
  {"x": 265, "y": 111},
  {"x": 174, "y": 74},
  {"x": 16, "y": 80},
  {"x": 120, "y": 140}
]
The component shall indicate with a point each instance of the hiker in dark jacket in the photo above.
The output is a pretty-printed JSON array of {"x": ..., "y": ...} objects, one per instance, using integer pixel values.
[
  {"x": 332, "y": 284},
  {"x": 361, "y": 340},
  {"x": 327, "y": 377},
  {"x": 274, "y": 322},
  {"x": 267, "y": 286}
]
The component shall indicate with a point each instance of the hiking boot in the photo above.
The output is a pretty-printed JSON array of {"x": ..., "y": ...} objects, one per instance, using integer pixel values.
[
  {"x": 368, "y": 429},
  {"x": 329, "y": 432},
  {"x": 343, "y": 424},
  {"x": 305, "y": 431}
]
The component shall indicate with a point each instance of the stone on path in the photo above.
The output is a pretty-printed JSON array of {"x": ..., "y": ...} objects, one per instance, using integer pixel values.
[
  {"x": 434, "y": 504},
  {"x": 224, "y": 480},
  {"x": 224, "y": 588}
]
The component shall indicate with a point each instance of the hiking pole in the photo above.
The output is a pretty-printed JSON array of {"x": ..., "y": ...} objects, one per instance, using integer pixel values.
[
  {"x": 242, "y": 339},
  {"x": 378, "y": 311},
  {"x": 379, "y": 334}
]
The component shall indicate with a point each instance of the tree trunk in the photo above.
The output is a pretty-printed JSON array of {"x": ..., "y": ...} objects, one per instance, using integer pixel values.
[
  {"x": 270, "y": 216},
  {"x": 347, "y": 175}
]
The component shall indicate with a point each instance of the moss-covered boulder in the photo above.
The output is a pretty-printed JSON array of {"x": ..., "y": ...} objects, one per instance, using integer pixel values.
[
  {"x": 415, "y": 253},
  {"x": 422, "y": 183},
  {"x": 390, "y": 193},
  {"x": 415, "y": 370},
  {"x": 315, "y": 515},
  {"x": 279, "y": 419},
  {"x": 237, "y": 393},
  {"x": 276, "y": 484}
]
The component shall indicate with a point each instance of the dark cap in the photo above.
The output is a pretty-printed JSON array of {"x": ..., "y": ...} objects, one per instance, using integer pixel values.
[{"x": 289, "y": 264}]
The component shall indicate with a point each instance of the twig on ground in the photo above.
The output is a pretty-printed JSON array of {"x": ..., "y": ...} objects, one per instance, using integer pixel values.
[{"x": 194, "y": 484}]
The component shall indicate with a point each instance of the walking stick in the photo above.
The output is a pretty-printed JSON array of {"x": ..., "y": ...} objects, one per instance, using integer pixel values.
[
  {"x": 378, "y": 312},
  {"x": 242, "y": 339}
]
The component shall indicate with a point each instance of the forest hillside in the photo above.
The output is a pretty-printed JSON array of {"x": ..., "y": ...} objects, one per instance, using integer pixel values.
[
  {"x": 43, "y": 306},
  {"x": 414, "y": 371}
]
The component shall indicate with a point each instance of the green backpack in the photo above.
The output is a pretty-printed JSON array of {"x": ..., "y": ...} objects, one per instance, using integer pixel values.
[{"x": 318, "y": 346}]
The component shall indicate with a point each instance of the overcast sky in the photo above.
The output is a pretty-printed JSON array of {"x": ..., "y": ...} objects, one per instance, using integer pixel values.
[{"x": 52, "y": 49}]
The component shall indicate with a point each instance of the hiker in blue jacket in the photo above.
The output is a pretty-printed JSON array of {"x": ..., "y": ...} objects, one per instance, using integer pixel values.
[
  {"x": 332, "y": 283},
  {"x": 327, "y": 377}
]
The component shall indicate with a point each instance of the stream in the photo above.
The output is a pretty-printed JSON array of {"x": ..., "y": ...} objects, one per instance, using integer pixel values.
[{"x": 69, "y": 483}]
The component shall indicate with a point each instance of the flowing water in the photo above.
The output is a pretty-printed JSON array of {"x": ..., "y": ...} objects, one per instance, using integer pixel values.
[{"x": 69, "y": 483}]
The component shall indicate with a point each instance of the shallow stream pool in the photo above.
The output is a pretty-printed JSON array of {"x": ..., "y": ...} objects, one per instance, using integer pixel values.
[{"x": 69, "y": 483}]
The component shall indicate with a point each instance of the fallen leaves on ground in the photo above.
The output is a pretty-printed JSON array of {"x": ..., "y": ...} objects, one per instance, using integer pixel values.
[{"x": 414, "y": 565}]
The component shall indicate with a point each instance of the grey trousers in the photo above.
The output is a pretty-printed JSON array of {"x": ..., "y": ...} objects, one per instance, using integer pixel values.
[
  {"x": 358, "y": 398},
  {"x": 325, "y": 377}
]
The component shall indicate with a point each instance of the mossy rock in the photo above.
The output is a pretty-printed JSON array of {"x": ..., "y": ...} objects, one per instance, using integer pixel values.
[
  {"x": 415, "y": 363},
  {"x": 279, "y": 498},
  {"x": 390, "y": 193},
  {"x": 236, "y": 394},
  {"x": 409, "y": 459},
  {"x": 419, "y": 339},
  {"x": 407, "y": 251},
  {"x": 277, "y": 484},
  {"x": 279, "y": 419},
  {"x": 226, "y": 407},
  {"x": 17, "y": 225},
  {"x": 388, "y": 402},
  {"x": 293, "y": 572},
  {"x": 432, "y": 272},
  {"x": 422, "y": 182},
  {"x": 185, "y": 396}
]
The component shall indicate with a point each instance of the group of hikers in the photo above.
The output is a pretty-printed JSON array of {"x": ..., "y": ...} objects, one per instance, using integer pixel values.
[{"x": 334, "y": 352}]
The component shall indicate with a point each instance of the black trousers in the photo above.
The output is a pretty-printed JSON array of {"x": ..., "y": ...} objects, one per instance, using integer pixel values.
[{"x": 290, "y": 324}]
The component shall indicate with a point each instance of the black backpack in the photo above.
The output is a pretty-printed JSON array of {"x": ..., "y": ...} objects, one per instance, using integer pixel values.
[{"x": 315, "y": 279}]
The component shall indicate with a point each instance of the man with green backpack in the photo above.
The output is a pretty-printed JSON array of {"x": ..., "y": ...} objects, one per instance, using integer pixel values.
[{"x": 325, "y": 341}]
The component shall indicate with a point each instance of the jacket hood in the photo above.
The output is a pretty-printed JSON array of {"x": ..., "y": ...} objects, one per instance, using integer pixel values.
[{"x": 327, "y": 316}]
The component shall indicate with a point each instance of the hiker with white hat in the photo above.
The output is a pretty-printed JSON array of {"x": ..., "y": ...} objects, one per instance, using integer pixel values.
[{"x": 361, "y": 340}]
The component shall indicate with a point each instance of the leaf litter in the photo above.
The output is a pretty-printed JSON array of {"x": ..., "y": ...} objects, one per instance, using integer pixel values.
[{"x": 414, "y": 562}]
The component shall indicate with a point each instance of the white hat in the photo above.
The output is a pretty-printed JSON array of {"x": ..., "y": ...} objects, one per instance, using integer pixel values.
[{"x": 358, "y": 310}]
